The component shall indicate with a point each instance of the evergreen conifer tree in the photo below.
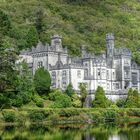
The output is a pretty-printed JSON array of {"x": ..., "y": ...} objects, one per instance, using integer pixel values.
[
  {"x": 100, "y": 100},
  {"x": 69, "y": 91},
  {"x": 42, "y": 81},
  {"x": 83, "y": 93}
]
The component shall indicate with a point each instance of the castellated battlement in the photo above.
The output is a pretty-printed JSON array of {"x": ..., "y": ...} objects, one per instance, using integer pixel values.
[
  {"x": 110, "y": 36},
  {"x": 114, "y": 70}
]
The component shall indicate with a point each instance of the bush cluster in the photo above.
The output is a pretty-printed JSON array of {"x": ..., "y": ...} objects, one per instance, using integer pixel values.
[
  {"x": 9, "y": 116},
  {"x": 38, "y": 115},
  {"x": 60, "y": 99},
  {"x": 69, "y": 112},
  {"x": 38, "y": 101},
  {"x": 110, "y": 115}
]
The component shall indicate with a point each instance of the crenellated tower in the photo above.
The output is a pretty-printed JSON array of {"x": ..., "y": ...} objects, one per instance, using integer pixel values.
[
  {"x": 110, "y": 45},
  {"x": 56, "y": 43}
]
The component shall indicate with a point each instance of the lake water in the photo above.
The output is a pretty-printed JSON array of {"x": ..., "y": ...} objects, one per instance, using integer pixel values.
[{"x": 71, "y": 132}]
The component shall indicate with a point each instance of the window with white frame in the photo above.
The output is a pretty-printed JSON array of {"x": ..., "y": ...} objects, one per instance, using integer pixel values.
[
  {"x": 117, "y": 86},
  {"x": 108, "y": 86},
  {"x": 54, "y": 79},
  {"x": 64, "y": 78},
  {"x": 40, "y": 64},
  {"x": 127, "y": 62},
  {"x": 126, "y": 74},
  {"x": 64, "y": 73},
  {"x": 114, "y": 86},
  {"x": 107, "y": 74},
  {"x": 113, "y": 75},
  {"x": 86, "y": 72},
  {"x": 103, "y": 73}
]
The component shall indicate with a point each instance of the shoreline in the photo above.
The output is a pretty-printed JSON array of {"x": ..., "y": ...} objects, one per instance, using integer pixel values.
[{"x": 69, "y": 115}]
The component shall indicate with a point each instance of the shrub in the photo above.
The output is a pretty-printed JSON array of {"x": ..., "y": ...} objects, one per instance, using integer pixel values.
[
  {"x": 39, "y": 103},
  {"x": 9, "y": 116},
  {"x": 52, "y": 95},
  {"x": 96, "y": 116},
  {"x": 37, "y": 115},
  {"x": 26, "y": 97},
  {"x": 54, "y": 117},
  {"x": 68, "y": 112},
  {"x": 17, "y": 102},
  {"x": 133, "y": 112},
  {"x": 4, "y": 102},
  {"x": 110, "y": 115},
  {"x": 38, "y": 100},
  {"x": 76, "y": 101},
  {"x": 133, "y": 99},
  {"x": 60, "y": 99},
  {"x": 121, "y": 103}
]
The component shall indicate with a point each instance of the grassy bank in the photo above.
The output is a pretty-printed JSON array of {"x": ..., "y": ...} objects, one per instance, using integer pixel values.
[{"x": 71, "y": 115}]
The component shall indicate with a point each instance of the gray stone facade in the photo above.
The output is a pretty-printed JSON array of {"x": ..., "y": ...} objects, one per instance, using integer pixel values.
[{"x": 114, "y": 71}]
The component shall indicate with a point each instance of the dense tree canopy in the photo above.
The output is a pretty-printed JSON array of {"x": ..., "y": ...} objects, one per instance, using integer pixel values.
[
  {"x": 7, "y": 54},
  {"x": 78, "y": 21},
  {"x": 5, "y": 24}
]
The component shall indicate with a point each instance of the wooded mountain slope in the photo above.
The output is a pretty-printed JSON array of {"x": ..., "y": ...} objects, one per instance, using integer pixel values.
[{"x": 80, "y": 22}]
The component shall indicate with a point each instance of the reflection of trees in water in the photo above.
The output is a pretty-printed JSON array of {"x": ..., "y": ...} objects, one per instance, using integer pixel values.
[{"x": 70, "y": 132}]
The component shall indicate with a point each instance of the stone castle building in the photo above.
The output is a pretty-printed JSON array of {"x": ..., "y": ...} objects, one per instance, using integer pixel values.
[{"x": 114, "y": 71}]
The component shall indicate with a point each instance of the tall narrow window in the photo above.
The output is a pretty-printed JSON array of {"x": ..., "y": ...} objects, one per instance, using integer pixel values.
[
  {"x": 40, "y": 64},
  {"x": 113, "y": 75},
  {"x": 79, "y": 74},
  {"x": 107, "y": 75},
  {"x": 64, "y": 78},
  {"x": 99, "y": 74},
  {"x": 134, "y": 78},
  {"x": 86, "y": 72},
  {"x": 103, "y": 73},
  {"x": 54, "y": 79}
]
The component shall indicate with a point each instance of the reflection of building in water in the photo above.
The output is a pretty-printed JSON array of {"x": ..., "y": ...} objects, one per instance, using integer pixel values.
[{"x": 114, "y": 71}]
